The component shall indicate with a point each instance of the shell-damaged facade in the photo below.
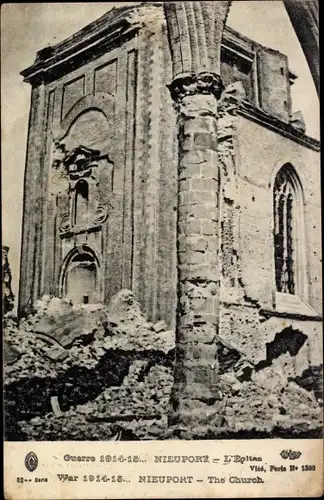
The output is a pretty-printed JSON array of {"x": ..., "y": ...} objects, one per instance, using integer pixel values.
[{"x": 111, "y": 203}]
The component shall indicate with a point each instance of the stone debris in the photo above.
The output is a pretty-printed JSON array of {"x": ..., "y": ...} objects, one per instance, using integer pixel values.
[
  {"x": 66, "y": 327},
  {"x": 57, "y": 353},
  {"x": 113, "y": 374},
  {"x": 10, "y": 354},
  {"x": 312, "y": 380},
  {"x": 113, "y": 357},
  {"x": 56, "y": 406},
  {"x": 160, "y": 326}
]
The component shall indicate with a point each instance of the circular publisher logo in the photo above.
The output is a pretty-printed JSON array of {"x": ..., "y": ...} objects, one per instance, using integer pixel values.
[{"x": 31, "y": 461}]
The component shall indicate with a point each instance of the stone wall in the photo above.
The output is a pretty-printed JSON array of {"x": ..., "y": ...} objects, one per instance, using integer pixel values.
[
  {"x": 273, "y": 83},
  {"x": 252, "y": 316},
  {"x": 119, "y": 104},
  {"x": 109, "y": 107},
  {"x": 247, "y": 328},
  {"x": 260, "y": 153}
]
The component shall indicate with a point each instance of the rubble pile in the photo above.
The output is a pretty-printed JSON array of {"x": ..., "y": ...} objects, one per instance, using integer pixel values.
[
  {"x": 105, "y": 362},
  {"x": 138, "y": 408},
  {"x": 97, "y": 372},
  {"x": 312, "y": 380},
  {"x": 269, "y": 403},
  {"x": 260, "y": 401}
]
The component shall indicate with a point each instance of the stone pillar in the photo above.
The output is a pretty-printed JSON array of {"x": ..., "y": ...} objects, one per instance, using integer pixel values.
[{"x": 195, "y": 32}]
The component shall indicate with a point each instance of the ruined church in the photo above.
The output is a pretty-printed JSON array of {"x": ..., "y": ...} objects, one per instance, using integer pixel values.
[{"x": 167, "y": 160}]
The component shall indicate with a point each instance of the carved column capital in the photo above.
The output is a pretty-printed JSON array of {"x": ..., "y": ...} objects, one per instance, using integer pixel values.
[{"x": 193, "y": 84}]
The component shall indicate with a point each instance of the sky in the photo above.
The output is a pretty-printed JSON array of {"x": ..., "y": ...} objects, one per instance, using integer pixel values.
[{"x": 27, "y": 28}]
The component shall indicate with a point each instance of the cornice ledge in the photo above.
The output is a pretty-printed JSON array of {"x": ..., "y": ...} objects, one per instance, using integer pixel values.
[
  {"x": 251, "y": 112},
  {"x": 53, "y": 59}
]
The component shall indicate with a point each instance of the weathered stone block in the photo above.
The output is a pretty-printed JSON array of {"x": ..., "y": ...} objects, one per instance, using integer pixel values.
[
  {"x": 160, "y": 326},
  {"x": 67, "y": 327},
  {"x": 203, "y": 272},
  {"x": 189, "y": 226},
  {"x": 203, "y": 351},
  {"x": 210, "y": 169},
  {"x": 204, "y": 140},
  {"x": 298, "y": 122},
  {"x": 198, "y": 104},
  {"x": 273, "y": 83},
  {"x": 193, "y": 243},
  {"x": 209, "y": 227},
  {"x": 204, "y": 124},
  {"x": 184, "y": 185},
  {"x": 189, "y": 171},
  {"x": 204, "y": 211},
  {"x": 195, "y": 257},
  {"x": 202, "y": 157},
  {"x": 200, "y": 184},
  {"x": 187, "y": 142}
]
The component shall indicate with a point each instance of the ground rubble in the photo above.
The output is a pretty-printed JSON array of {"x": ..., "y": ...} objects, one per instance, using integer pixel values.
[{"x": 104, "y": 372}]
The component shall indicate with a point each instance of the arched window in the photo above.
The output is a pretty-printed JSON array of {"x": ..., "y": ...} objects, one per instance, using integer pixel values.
[
  {"x": 81, "y": 202},
  {"x": 288, "y": 227}
]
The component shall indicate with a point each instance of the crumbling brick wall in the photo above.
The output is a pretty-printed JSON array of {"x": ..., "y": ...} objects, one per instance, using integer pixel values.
[{"x": 249, "y": 310}]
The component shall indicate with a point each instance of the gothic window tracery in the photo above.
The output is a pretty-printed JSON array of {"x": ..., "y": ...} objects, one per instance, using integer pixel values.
[{"x": 287, "y": 226}]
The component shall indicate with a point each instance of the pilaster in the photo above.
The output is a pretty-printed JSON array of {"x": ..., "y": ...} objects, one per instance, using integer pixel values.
[{"x": 33, "y": 200}]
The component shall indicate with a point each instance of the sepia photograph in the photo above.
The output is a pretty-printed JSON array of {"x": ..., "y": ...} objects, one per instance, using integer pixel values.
[{"x": 161, "y": 213}]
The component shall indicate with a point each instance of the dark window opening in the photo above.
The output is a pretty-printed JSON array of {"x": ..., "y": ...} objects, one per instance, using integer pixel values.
[
  {"x": 81, "y": 204},
  {"x": 284, "y": 232}
]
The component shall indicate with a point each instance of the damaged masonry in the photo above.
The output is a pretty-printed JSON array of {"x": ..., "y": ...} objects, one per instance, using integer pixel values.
[
  {"x": 110, "y": 372},
  {"x": 178, "y": 214}
]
